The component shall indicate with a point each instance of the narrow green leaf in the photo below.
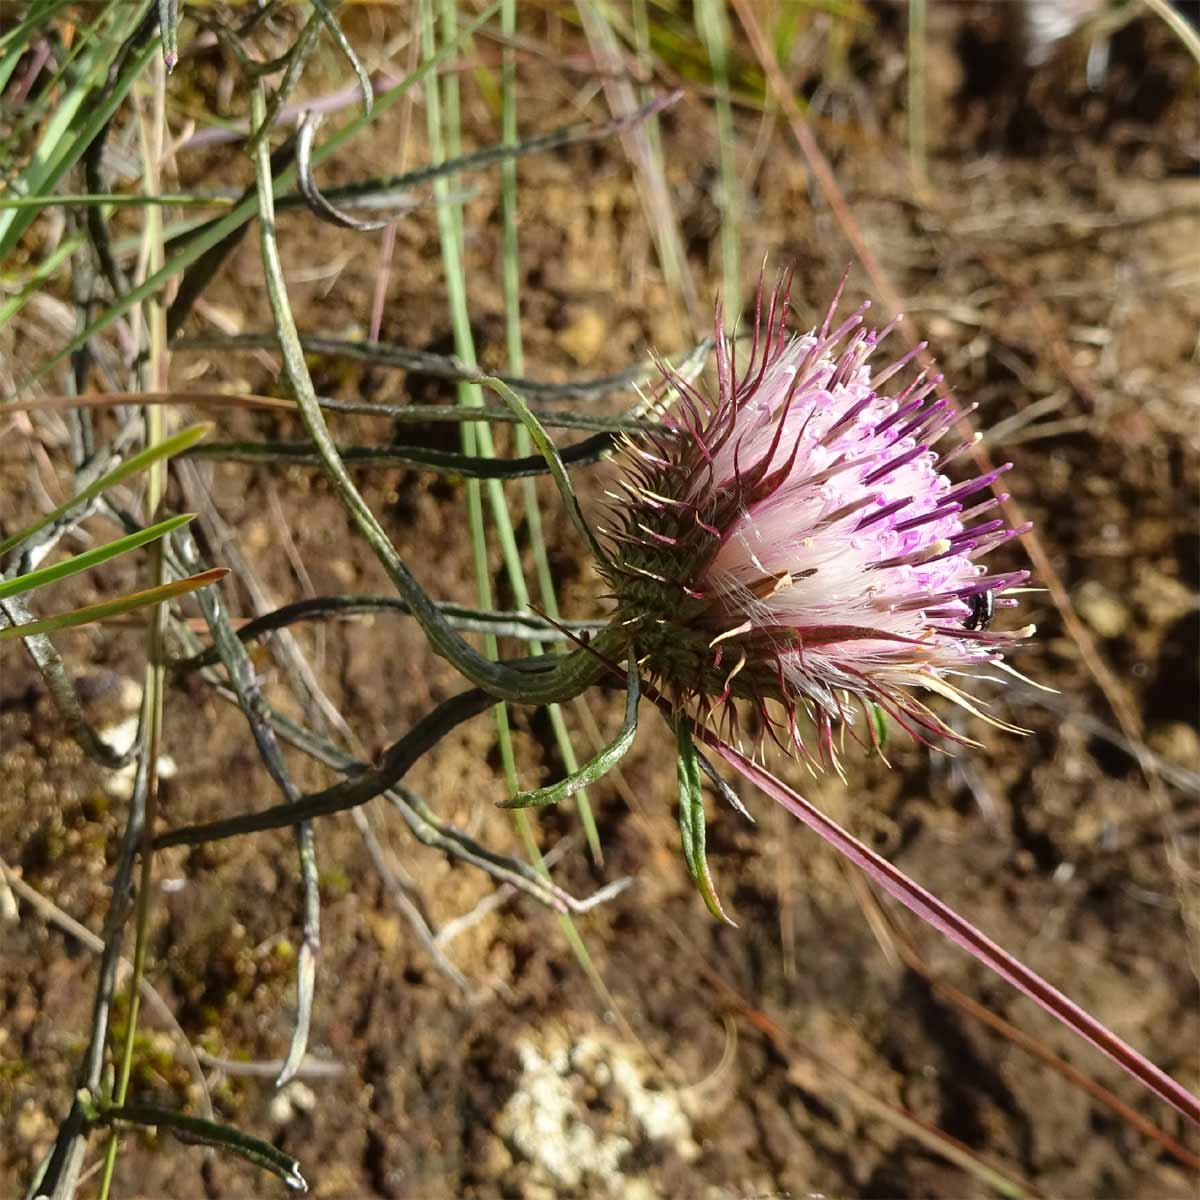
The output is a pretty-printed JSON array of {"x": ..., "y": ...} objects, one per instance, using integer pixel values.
[
  {"x": 206, "y": 1133},
  {"x": 91, "y": 558},
  {"x": 131, "y": 466},
  {"x": 880, "y": 722},
  {"x": 548, "y": 450},
  {"x": 692, "y": 827},
  {"x": 449, "y": 462},
  {"x": 115, "y": 200},
  {"x": 115, "y": 608},
  {"x": 8, "y": 64},
  {"x": 593, "y": 769}
]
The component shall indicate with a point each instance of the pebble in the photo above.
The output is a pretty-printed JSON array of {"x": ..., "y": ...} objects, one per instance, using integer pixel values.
[
  {"x": 1101, "y": 609},
  {"x": 1163, "y": 598},
  {"x": 290, "y": 1101},
  {"x": 584, "y": 336},
  {"x": 1177, "y": 742},
  {"x": 120, "y": 737}
]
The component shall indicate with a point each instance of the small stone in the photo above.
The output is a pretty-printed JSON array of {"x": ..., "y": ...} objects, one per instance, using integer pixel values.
[
  {"x": 1163, "y": 598},
  {"x": 120, "y": 737},
  {"x": 494, "y": 1156},
  {"x": 1063, "y": 648},
  {"x": 258, "y": 535},
  {"x": 941, "y": 329},
  {"x": 303, "y": 1097},
  {"x": 280, "y": 1110},
  {"x": 344, "y": 571},
  {"x": 290, "y": 1101},
  {"x": 1177, "y": 742},
  {"x": 584, "y": 336},
  {"x": 1101, "y": 609},
  {"x": 639, "y": 1189},
  {"x": 130, "y": 694},
  {"x": 32, "y": 1122},
  {"x": 385, "y": 929}
]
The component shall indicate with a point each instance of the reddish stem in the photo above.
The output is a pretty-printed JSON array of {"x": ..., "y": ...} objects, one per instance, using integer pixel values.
[{"x": 960, "y": 931}]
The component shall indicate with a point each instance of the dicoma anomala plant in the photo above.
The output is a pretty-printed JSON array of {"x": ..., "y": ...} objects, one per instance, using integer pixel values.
[{"x": 793, "y": 543}]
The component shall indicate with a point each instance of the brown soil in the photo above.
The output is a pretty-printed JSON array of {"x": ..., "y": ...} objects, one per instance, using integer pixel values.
[{"x": 1052, "y": 264}]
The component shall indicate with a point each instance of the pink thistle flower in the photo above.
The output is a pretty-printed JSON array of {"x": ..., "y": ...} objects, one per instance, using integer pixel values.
[{"x": 797, "y": 540}]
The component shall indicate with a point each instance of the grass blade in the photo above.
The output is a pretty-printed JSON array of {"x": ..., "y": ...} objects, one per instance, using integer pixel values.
[
  {"x": 547, "y": 449},
  {"x": 712, "y": 20},
  {"x": 116, "y": 608},
  {"x": 91, "y": 558},
  {"x": 115, "y": 200}
]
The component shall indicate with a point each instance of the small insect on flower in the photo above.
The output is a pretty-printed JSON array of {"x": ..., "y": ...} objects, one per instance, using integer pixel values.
[
  {"x": 795, "y": 541},
  {"x": 983, "y": 610}
]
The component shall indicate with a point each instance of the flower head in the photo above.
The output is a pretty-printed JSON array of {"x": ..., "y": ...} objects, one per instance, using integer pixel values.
[{"x": 796, "y": 539}]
